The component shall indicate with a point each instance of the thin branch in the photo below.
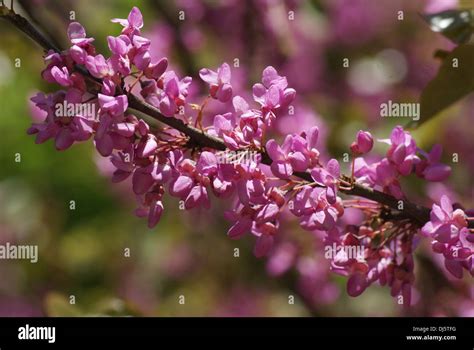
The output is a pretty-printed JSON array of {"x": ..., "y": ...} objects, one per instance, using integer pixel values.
[
  {"x": 198, "y": 137},
  {"x": 26, "y": 27},
  {"x": 54, "y": 25},
  {"x": 418, "y": 214}
]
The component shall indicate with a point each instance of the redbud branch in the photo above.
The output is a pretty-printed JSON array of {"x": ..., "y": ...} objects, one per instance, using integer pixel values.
[
  {"x": 417, "y": 213},
  {"x": 198, "y": 138},
  {"x": 26, "y": 27},
  {"x": 52, "y": 27}
]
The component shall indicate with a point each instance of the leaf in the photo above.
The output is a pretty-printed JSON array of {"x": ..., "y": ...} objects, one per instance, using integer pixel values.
[
  {"x": 450, "y": 84},
  {"x": 456, "y": 25}
]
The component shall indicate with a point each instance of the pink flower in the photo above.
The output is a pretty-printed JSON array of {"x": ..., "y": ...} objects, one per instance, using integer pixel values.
[
  {"x": 173, "y": 94},
  {"x": 120, "y": 45},
  {"x": 98, "y": 66},
  {"x": 314, "y": 209},
  {"x": 155, "y": 173},
  {"x": 156, "y": 70},
  {"x": 386, "y": 175},
  {"x": 401, "y": 160},
  {"x": 430, "y": 168},
  {"x": 445, "y": 222},
  {"x": 281, "y": 165},
  {"x": 356, "y": 284},
  {"x": 120, "y": 48},
  {"x": 54, "y": 59},
  {"x": 81, "y": 47},
  {"x": 271, "y": 78},
  {"x": 363, "y": 144},
  {"x": 123, "y": 161},
  {"x": 448, "y": 229},
  {"x": 272, "y": 94},
  {"x": 151, "y": 206},
  {"x": 114, "y": 105},
  {"x": 191, "y": 180},
  {"x": 61, "y": 76},
  {"x": 140, "y": 55},
  {"x": 263, "y": 226},
  {"x": 64, "y": 129},
  {"x": 297, "y": 153},
  {"x": 250, "y": 123},
  {"x": 225, "y": 128},
  {"x": 328, "y": 177},
  {"x": 132, "y": 24},
  {"x": 303, "y": 153},
  {"x": 241, "y": 224},
  {"x": 116, "y": 132},
  {"x": 219, "y": 82},
  {"x": 402, "y": 151},
  {"x": 147, "y": 146}
]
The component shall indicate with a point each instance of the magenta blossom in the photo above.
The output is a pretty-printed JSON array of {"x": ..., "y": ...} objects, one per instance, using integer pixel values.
[
  {"x": 98, "y": 66},
  {"x": 281, "y": 165},
  {"x": 81, "y": 47},
  {"x": 225, "y": 127},
  {"x": 173, "y": 94},
  {"x": 64, "y": 129},
  {"x": 61, "y": 76},
  {"x": 155, "y": 70},
  {"x": 120, "y": 47},
  {"x": 219, "y": 82},
  {"x": 297, "y": 153},
  {"x": 260, "y": 221},
  {"x": 272, "y": 94},
  {"x": 328, "y": 177},
  {"x": 311, "y": 205},
  {"x": 132, "y": 24},
  {"x": 77, "y": 34},
  {"x": 363, "y": 143},
  {"x": 402, "y": 151},
  {"x": 451, "y": 237},
  {"x": 430, "y": 168}
]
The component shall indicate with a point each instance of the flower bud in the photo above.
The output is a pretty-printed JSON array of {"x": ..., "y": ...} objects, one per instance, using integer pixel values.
[{"x": 363, "y": 143}]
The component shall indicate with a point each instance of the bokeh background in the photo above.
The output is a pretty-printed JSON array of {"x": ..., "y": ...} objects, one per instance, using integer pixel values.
[{"x": 81, "y": 251}]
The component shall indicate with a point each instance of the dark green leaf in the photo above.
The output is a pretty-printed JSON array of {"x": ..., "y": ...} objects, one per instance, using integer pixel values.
[
  {"x": 456, "y": 25},
  {"x": 450, "y": 84}
]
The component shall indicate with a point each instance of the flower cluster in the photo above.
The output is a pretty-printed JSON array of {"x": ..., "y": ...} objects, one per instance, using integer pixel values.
[
  {"x": 135, "y": 149},
  {"x": 388, "y": 264},
  {"x": 159, "y": 161},
  {"x": 451, "y": 237},
  {"x": 402, "y": 159},
  {"x": 244, "y": 127}
]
